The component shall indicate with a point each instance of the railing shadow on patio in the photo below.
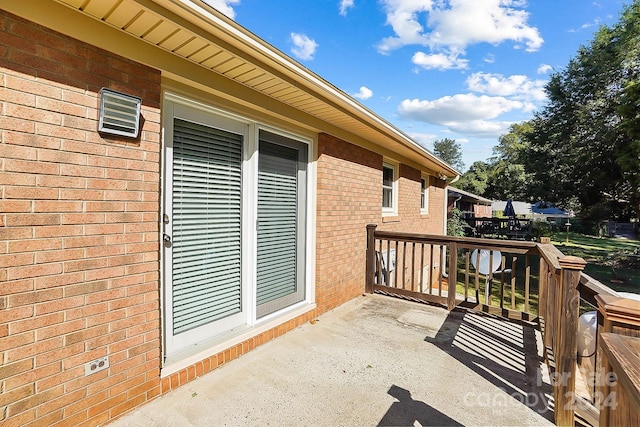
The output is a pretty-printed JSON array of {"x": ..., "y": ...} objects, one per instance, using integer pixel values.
[
  {"x": 531, "y": 283},
  {"x": 504, "y": 353}
]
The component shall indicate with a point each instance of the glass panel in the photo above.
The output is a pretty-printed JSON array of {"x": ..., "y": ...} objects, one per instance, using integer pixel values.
[
  {"x": 206, "y": 244},
  {"x": 387, "y": 176},
  {"x": 387, "y": 198},
  {"x": 280, "y": 252}
]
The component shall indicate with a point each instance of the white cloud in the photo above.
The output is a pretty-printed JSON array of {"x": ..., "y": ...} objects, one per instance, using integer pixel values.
[
  {"x": 517, "y": 86},
  {"x": 481, "y": 128},
  {"x": 438, "y": 61},
  {"x": 223, "y": 6},
  {"x": 490, "y": 58},
  {"x": 457, "y": 108},
  {"x": 424, "y": 139},
  {"x": 453, "y": 25},
  {"x": 344, "y": 6},
  {"x": 544, "y": 68},
  {"x": 466, "y": 114},
  {"x": 303, "y": 47},
  {"x": 365, "y": 93}
]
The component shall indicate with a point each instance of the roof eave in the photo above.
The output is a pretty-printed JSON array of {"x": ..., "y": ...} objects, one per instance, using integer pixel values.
[{"x": 199, "y": 13}]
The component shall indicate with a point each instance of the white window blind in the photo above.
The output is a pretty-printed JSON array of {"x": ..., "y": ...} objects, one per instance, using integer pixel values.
[
  {"x": 207, "y": 196},
  {"x": 278, "y": 280}
]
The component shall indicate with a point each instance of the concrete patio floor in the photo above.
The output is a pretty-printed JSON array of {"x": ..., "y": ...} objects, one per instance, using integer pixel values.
[{"x": 376, "y": 360}]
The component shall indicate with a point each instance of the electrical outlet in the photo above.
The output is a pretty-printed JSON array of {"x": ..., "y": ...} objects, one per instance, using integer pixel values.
[{"x": 96, "y": 365}]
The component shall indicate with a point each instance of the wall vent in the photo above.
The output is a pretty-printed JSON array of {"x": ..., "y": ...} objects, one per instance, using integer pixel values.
[{"x": 119, "y": 113}]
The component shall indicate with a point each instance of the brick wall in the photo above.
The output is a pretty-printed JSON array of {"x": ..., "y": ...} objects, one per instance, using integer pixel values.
[
  {"x": 79, "y": 250},
  {"x": 78, "y": 233},
  {"x": 349, "y": 196},
  {"x": 410, "y": 218}
]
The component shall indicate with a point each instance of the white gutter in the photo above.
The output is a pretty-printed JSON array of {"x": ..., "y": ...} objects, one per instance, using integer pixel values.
[{"x": 203, "y": 12}]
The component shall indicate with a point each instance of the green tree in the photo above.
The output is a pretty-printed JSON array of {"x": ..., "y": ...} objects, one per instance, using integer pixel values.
[
  {"x": 450, "y": 151},
  {"x": 508, "y": 177},
  {"x": 475, "y": 179},
  {"x": 584, "y": 145}
]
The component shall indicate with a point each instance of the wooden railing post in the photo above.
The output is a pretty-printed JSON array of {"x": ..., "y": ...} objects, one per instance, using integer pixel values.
[
  {"x": 618, "y": 318},
  {"x": 370, "y": 269},
  {"x": 566, "y": 338},
  {"x": 453, "y": 276}
]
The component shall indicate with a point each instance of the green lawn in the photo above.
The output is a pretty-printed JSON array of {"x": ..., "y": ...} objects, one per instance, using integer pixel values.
[{"x": 610, "y": 261}]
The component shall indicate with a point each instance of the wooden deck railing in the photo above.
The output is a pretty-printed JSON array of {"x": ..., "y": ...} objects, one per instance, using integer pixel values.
[{"x": 520, "y": 280}]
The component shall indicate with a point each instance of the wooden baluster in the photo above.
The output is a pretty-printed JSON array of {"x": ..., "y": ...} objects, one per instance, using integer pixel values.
[
  {"x": 477, "y": 279},
  {"x": 514, "y": 262},
  {"x": 413, "y": 266},
  {"x": 441, "y": 275},
  {"x": 404, "y": 264},
  {"x": 422, "y": 268},
  {"x": 527, "y": 278},
  {"x": 466, "y": 274},
  {"x": 395, "y": 271},
  {"x": 453, "y": 276},
  {"x": 431, "y": 269},
  {"x": 503, "y": 263}
]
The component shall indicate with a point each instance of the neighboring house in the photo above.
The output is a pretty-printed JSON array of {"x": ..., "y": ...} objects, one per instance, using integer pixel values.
[
  {"x": 470, "y": 205},
  {"x": 522, "y": 209},
  {"x": 238, "y": 210},
  {"x": 543, "y": 211}
]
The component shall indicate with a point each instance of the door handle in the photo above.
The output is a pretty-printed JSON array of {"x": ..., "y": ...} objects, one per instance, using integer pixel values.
[{"x": 166, "y": 238}]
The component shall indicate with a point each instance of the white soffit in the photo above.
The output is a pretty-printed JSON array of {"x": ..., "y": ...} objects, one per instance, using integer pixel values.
[{"x": 198, "y": 33}]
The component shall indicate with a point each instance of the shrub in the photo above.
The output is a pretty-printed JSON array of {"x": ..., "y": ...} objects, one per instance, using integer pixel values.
[
  {"x": 455, "y": 223},
  {"x": 541, "y": 229}
]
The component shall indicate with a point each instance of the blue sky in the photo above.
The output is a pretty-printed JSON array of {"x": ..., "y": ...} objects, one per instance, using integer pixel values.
[{"x": 458, "y": 69}]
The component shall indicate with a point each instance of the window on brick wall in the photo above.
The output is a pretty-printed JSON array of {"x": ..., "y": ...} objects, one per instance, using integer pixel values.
[
  {"x": 424, "y": 195},
  {"x": 388, "y": 188}
]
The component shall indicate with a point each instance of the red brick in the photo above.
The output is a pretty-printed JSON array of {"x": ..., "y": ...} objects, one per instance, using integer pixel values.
[
  {"x": 70, "y": 420},
  {"x": 34, "y": 245},
  {"x": 36, "y": 219},
  {"x": 78, "y": 194},
  {"x": 65, "y": 328},
  {"x": 18, "y": 125},
  {"x": 84, "y": 241},
  {"x": 107, "y": 404},
  {"x": 12, "y": 369},
  {"x": 88, "y": 401},
  {"x": 66, "y": 376},
  {"x": 31, "y": 140},
  {"x": 57, "y": 206},
  {"x": 33, "y": 375},
  {"x": 33, "y": 114},
  {"x": 31, "y": 298},
  {"x": 15, "y": 273},
  {"x": 8, "y": 151},
  {"x": 14, "y": 260},
  {"x": 56, "y": 256},
  {"x": 58, "y": 231},
  {"x": 15, "y": 233},
  {"x": 24, "y": 167},
  {"x": 106, "y": 229},
  {"x": 105, "y": 273},
  {"x": 62, "y": 304},
  {"x": 17, "y": 394},
  {"x": 59, "y": 280},
  {"x": 34, "y": 323}
]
